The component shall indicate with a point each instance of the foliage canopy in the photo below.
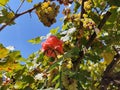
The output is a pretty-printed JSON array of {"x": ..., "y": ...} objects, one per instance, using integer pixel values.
[{"x": 83, "y": 55}]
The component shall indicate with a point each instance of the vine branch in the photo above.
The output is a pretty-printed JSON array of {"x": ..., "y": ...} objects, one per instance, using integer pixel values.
[
  {"x": 93, "y": 36},
  {"x": 107, "y": 75},
  {"x": 81, "y": 23},
  {"x": 20, "y": 6},
  {"x": 17, "y": 15}
]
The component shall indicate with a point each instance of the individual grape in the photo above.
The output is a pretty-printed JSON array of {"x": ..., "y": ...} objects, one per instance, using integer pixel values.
[
  {"x": 74, "y": 18},
  {"x": 47, "y": 13},
  {"x": 45, "y": 5},
  {"x": 66, "y": 11},
  {"x": 65, "y": 2},
  {"x": 88, "y": 23},
  {"x": 69, "y": 64},
  {"x": 87, "y": 5}
]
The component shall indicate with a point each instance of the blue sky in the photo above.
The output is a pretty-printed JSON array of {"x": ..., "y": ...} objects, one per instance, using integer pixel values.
[{"x": 26, "y": 28}]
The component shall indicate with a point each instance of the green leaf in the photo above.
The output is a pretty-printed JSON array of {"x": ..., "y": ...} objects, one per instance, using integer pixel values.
[
  {"x": 3, "y": 52},
  {"x": 19, "y": 85},
  {"x": 28, "y": 88},
  {"x": 54, "y": 30},
  {"x": 71, "y": 53},
  {"x": 95, "y": 17},
  {"x": 36, "y": 40},
  {"x": 40, "y": 58},
  {"x": 114, "y": 2},
  {"x": 19, "y": 73},
  {"x": 55, "y": 64},
  {"x": 3, "y": 2},
  {"x": 6, "y": 17},
  {"x": 28, "y": 79},
  {"x": 65, "y": 26},
  {"x": 4, "y": 87},
  {"x": 83, "y": 76},
  {"x": 56, "y": 78},
  {"x": 57, "y": 85},
  {"x": 15, "y": 55},
  {"x": 76, "y": 7}
]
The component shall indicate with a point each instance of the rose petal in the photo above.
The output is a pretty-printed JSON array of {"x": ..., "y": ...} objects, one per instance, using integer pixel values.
[{"x": 52, "y": 43}]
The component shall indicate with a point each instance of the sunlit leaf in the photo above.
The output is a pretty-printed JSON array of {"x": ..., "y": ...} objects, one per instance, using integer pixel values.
[
  {"x": 18, "y": 85},
  {"x": 108, "y": 57},
  {"x": 29, "y": 1},
  {"x": 54, "y": 30},
  {"x": 56, "y": 78},
  {"x": 3, "y": 52},
  {"x": 3, "y": 2},
  {"x": 15, "y": 55},
  {"x": 57, "y": 85},
  {"x": 36, "y": 40}
]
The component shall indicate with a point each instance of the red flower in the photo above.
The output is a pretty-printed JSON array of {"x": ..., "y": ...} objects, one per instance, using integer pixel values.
[{"x": 52, "y": 46}]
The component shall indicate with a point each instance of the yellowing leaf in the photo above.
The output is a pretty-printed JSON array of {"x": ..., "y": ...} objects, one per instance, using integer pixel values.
[
  {"x": 10, "y": 67},
  {"x": 10, "y": 15},
  {"x": 3, "y": 2},
  {"x": 29, "y": 1},
  {"x": 3, "y": 52},
  {"x": 108, "y": 57}
]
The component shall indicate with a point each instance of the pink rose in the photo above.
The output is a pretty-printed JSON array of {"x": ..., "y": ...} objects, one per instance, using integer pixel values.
[{"x": 52, "y": 46}]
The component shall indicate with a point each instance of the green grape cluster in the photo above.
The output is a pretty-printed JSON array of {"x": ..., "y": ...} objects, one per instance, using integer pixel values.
[
  {"x": 74, "y": 18},
  {"x": 67, "y": 64},
  {"x": 69, "y": 83},
  {"x": 87, "y": 4},
  {"x": 88, "y": 23},
  {"x": 47, "y": 13},
  {"x": 65, "y": 2}
]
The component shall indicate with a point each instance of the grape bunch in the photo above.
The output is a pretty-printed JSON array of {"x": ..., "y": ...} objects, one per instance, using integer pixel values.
[
  {"x": 47, "y": 13},
  {"x": 88, "y": 23},
  {"x": 65, "y": 2},
  {"x": 87, "y": 4},
  {"x": 74, "y": 18}
]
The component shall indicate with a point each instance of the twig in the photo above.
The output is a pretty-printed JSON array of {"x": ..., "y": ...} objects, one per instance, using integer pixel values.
[
  {"x": 7, "y": 7},
  {"x": 81, "y": 54},
  {"x": 81, "y": 23},
  {"x": 101, "y": 24},
  {"x": 79, "y": 32},
  {"x": 117, "y": 49},
  {"x": 107, "y": 73},
  {"x": 95, "y": 7},
  {"x": 20, "y": 6},
  {"x": 82, "y": 12},
  {"x": 104, "y": 8},
  {"x": 17, "y": 15}
]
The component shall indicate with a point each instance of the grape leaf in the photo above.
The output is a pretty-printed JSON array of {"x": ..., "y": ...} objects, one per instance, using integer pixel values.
[
  {"x": 3, "y": 2},
  {"x": 29, "y": 1},
  {"x": 36, "y": 40},
  {"x": 3, "y": 52},
  {"x": 54, "y": 30}
]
